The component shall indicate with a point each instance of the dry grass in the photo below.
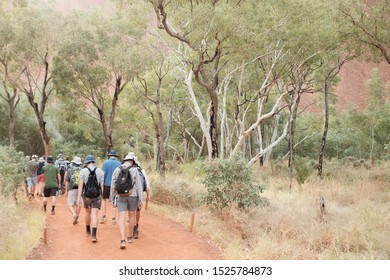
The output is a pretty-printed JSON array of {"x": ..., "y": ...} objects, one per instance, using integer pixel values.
[
  {"x": 20, "y": 230},
  {"x": 356, "y": 224}
]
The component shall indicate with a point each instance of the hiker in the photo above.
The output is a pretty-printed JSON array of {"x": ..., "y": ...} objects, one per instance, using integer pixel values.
[
  {"x": 24, "y": 171},
  {"x": 145, "y": 186},
  {"x": 52, "y": 183},
  {"x": 90, "y": 189},
  {"x": 72, "y": 180},
  {"x": 31, "y": 171},
  {"x": 61, "y": 164},
  {"x": 128, "y": 199},
  {"x": 40, "y": 177},
  {"x": 108, "y": 168}
]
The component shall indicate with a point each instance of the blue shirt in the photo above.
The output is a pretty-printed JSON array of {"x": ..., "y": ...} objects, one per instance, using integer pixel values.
[{"x": 108, "y": 167}]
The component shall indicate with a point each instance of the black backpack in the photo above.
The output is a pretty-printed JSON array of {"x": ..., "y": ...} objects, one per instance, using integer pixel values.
[
  {"x": 91, "y": 187},
  {"x": 124, "y": 182},
  {"x": 62, "y": 164}
]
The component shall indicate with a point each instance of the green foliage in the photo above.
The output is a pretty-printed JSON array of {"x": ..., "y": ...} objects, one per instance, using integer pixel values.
[
  {"x": 11, "y": 165},
  {"x": 302, "y": 169},
  {"x": 229, "y": 183}
]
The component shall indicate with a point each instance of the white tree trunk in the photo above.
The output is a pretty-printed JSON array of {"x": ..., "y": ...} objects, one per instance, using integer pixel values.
[{"x": 203, "y": 124}]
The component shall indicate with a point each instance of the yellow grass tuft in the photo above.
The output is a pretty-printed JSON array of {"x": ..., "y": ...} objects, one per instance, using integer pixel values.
[{"x": 21, "y": 228}]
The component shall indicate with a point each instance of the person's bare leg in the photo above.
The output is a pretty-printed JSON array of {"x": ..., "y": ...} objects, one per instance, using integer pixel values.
[
  {"x": 131, "y": 223},
  {"x": 122, "y": 224}
]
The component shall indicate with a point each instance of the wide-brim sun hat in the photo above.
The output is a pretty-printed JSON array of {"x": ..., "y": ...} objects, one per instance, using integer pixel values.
[
  {"x": 130, "y": 156},
  {"x": 89, "y": 158},
  {"x": 112, "y": 153},
  {"x": 41, "y": 159},
  {"x": 34, "y": 156},
  {"x": 77, "y": 160},
  {"x": 50, "y": 159}
]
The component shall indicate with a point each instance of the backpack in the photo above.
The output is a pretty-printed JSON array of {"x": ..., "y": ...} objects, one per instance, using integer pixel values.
[
  {"x": 142, "y": 176},
  {"x": 124, "y": 182},
  {"x": 62, "y": 164},
  {"x": 91, "y": 187},
  {"x": 74, "y": 177}
]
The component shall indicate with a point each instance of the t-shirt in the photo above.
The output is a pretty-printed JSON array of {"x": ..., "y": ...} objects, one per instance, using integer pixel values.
[
  {"x": 108, "y": 168},
  {"x": 51, "y": 172},
  {"x": 31, "y": 168},
  {"x": 84, "y": 173}
]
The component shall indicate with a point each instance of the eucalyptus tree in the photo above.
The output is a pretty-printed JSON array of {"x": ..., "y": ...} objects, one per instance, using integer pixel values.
[
  {"x": 367, "y": 24},
  {"x": 40, "y": 34},
  {"x": 11, "y": 67},
  {"x": 96, "y": 61}
]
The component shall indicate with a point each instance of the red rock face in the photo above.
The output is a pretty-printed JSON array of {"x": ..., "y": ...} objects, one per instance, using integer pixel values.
[{"x": 352, "y": 88}]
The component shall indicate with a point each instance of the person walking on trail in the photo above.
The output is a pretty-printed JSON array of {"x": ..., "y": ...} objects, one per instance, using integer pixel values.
[
  {"x": 31, "y": 171},
  {"x": 24, "y": 170},
  {"x": 108, "y": 168},
  {"x": 127, "y": 189},
  {"x": 72, "y": 180},
  {"x": 90, "y": 189},
  {"x": 145, "y": 187},
  {"x": 40, "y": 177},
  {"x": 61, "y": 164},
  {"x": 52, "y": 183}
]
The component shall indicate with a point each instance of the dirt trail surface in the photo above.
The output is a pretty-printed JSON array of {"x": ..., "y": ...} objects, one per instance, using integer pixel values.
[{"x": 159, "y": 239}]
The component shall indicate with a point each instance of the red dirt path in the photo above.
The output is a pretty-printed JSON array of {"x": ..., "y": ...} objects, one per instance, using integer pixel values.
[{"x": 159, "y": 239}]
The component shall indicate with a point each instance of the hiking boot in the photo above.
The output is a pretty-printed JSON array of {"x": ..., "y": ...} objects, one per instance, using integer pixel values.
[
  {"x": 129, "y": 239},
  {"x": 103, "y": 221},
  {"x": 88, "y": 233},
  {"x": 135, "y": 234},
  {"x": 94, "y": 239},
  {"x": 53, "y": 212},
  {"x": 113, "y": 221},
  {"x": 75, "y": 217},
  {"x": 123, "y": 244}
]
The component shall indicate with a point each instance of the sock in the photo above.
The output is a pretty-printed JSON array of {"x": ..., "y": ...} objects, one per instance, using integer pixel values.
[
  {"x": 44, "y": 207},
  {"x": 94, "y": 230},
  {"x": 52, "y": 207},
  {"x": 88, "y": 228}
]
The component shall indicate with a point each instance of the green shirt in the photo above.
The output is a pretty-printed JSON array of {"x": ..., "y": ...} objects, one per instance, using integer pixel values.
[{"x": 50, "y": 172}]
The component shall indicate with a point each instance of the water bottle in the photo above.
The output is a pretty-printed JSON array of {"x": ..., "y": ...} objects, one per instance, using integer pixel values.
[{"x": 59, "y": 191}]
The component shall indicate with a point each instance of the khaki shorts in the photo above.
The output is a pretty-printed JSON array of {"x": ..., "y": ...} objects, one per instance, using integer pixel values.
[
  {"x": 129, "y": 203},
  {"x": 92, "y": 202}
]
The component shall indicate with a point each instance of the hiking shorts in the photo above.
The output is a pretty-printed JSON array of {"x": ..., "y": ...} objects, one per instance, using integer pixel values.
[
  {"x": 129, "y": 203},
  {"x": 106, "y": 192},
  {"x": 31, "y": 181},
  {"x": 49, "y": 192},
  {"x": 72, "y": 197},
  {"x": 92, "y": 202},
  {"x": 41, "y": 178}
]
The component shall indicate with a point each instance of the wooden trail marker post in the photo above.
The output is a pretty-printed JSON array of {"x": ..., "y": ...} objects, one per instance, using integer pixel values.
[
  {"x": 44, "y": 235},
  {"x": 192, "y": 222}
]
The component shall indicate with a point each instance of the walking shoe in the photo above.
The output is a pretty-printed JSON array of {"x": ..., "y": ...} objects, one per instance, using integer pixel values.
[
  {"x": 94, "y": 239},
  {"x": 88, "y": 233},
  {"x": 75, "y": 217},
  {"x": 113, "y": 221},
  {"x": 123, "y": 244},
  {"x": 135, "y": 234},
  {"x": 129, "y": 239},
  {"x": 103, "y": 221},
  {"x": 53, "y": 212}
]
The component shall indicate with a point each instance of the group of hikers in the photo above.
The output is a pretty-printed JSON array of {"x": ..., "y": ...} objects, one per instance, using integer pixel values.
[{"x": 121, "y": 183}]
